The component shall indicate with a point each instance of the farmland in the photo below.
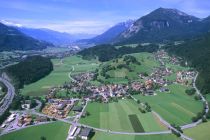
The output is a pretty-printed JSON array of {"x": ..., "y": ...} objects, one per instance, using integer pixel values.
[
  {"x": 107, "y": 136},
  {"x": 59, "y": 75},
  {"x": 115, "y": 116},
  {"x": 176, "y": 107},
  {"x": 52, "y": 131},
  {"x": 200, "y": 132}
]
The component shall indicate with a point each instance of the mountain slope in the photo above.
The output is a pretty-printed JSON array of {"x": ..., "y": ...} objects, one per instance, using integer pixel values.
[
  {"x": 12, "y": 39},
  {"x": 109, "y": 35},
  {"x": 163, "y": 25},
  {"x": 51, "y": 36}
]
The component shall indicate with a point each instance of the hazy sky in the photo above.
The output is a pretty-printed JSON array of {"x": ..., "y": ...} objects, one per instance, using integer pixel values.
[{"x": 89, "y": 16}]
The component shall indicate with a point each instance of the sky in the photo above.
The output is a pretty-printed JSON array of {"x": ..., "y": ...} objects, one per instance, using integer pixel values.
[{"x": 89, "y": 16}]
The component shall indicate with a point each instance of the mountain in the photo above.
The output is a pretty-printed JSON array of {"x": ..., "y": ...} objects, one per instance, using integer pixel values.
[
  {"x": 109, "y": 35},
  {"x": 164, "y": 25},
  {"x": 13, "y": 39},
  {"x": 43, "y": 34},
  {"x": 57, "y": 38}
]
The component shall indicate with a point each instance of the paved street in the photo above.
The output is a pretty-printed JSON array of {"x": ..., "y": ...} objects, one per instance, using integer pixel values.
[{"x": 7, "y": 100}]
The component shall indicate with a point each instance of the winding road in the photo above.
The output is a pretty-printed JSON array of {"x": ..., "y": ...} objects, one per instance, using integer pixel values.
[{"x": 70, "y": 75}]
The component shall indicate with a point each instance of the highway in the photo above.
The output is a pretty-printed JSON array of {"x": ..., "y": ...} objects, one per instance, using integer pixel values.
[{"x": 7, "y": 100}]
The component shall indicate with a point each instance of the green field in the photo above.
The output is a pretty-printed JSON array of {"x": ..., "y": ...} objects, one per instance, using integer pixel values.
[
  {"x": 200, "y": 132},
  {"x": 118, "y": 75},
  {"x": 59, "y": 75},
  {"x": 115, "y": 116},
  {"x": 176, "y": 107},
  {"x": 106, "y": 136},
  {"x": 52, "y": 131}
]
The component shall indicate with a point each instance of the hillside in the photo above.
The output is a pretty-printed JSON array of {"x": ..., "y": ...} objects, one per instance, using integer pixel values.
[
  {"x": 51, "y": 36},
  {"x": 196, "y": 52},
  {"x": 109, "y": 35},
  {"x": 12, "y": 39},
  {"x": 29, "y": 70},
  {"x": 164, "y": 25}
]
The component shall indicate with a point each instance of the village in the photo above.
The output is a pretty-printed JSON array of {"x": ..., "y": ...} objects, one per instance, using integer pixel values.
[{"x": 79, "y": 92}]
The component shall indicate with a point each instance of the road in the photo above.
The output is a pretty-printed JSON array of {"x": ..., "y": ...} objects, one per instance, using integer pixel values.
[
  {"x": 7, "y": 100},
  {"x": 70, "y": 75},
  {"x": 6, "y": 132},
  {"x": 203, "y": 100},
  {"x": 75, "y": 121},
  {"x": 166, "y": 124}
]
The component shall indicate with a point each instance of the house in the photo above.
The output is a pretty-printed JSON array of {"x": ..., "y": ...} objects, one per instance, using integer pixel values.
[
  {"x": 26, "y": 104},
  {"x": 86, "y": 133},
  {"x": 61, "y": 106},
  {"x": 164, "y": 89},
  {"x": 150, "y": 92},
  {"x": 41, "y": 119},
  {"x": 77, "y": 108}
]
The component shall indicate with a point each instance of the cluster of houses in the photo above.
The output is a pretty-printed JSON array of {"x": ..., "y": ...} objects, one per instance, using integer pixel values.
[
  {"x": 18, "y": 120},
  {"x": 80, "y": 78},
  {"x": 164, "y": 56},
  {"x": 182, "y": 77},
  {"x": 157, "y": 78},
  {"x": 105, "y": 92},
  {"x": 144, "y": 88},
  {"x": 27, "y": 119},
  {"x": 58, "y": 108}
]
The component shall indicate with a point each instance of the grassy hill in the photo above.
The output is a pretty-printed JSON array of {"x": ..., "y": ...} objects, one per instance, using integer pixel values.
[{"x": 121, "y": 70}]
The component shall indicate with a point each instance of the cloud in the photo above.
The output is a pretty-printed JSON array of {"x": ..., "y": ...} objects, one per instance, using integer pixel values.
[
  {"x": 81, "y": 26},
  {"x": 70, "y": 26}
]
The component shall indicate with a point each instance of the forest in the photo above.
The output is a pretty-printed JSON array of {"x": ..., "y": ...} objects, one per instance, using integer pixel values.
[{"x": 29, "y": 70}]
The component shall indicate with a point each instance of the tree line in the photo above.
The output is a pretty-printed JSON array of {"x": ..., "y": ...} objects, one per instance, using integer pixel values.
[{"x": 108, "y": 52}]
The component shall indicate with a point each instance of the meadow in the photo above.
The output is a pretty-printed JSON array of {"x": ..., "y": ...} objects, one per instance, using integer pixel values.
[
  {"x": 59, "y": 75},
  {"x": 120, "y": 116},
  {"x": 52, "y": 131},
  {"x": 200, "y": 132},
  {"x": 119, "y": 75},
  {"x": 107, "y": 136},
  {"x": 176, "y": 107}
]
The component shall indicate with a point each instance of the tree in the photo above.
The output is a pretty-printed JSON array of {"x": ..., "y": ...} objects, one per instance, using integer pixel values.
[
  {"x": 29, "y": 70},
  {"x": 43, "y": 138},
  {"x": 197, "y": 97},
  {"x": 33, "y": 103},
  {"x": 4, "y": 116},
  {"x": 88, "y": 113}
]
